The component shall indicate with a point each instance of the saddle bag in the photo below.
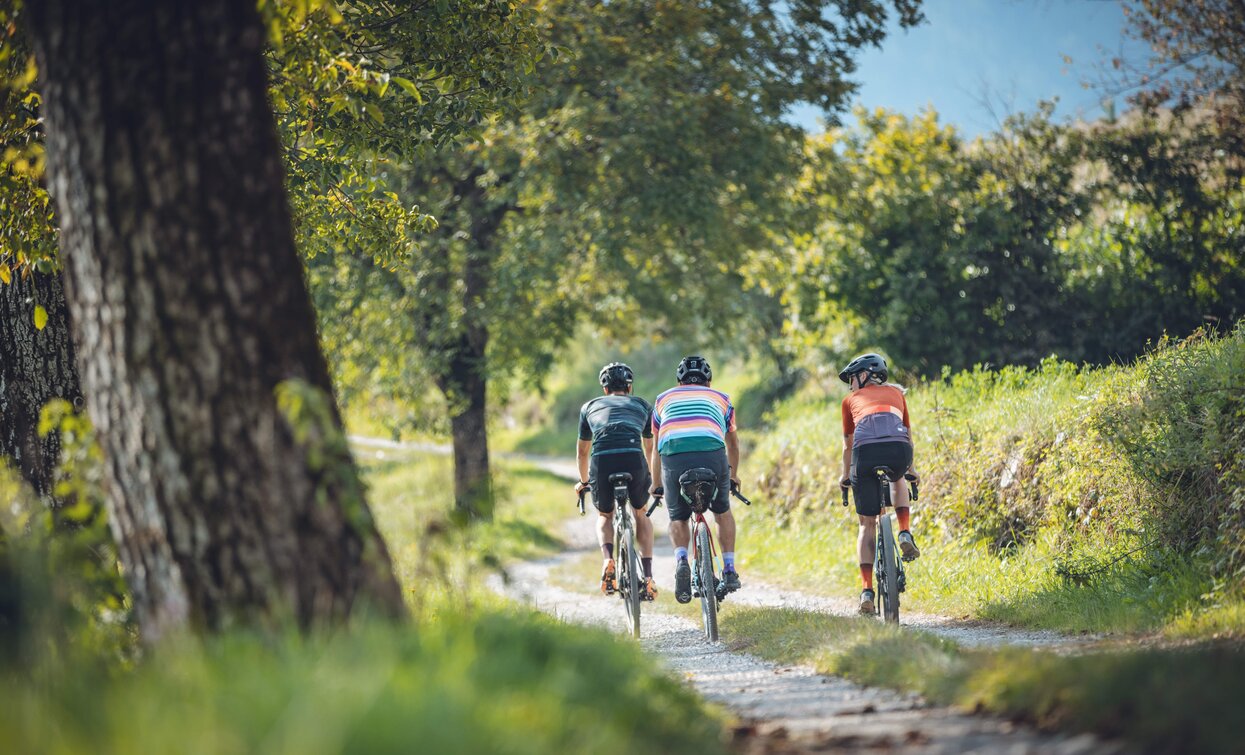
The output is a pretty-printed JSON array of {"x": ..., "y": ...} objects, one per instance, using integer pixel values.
[{"x": 698, "y": 487}]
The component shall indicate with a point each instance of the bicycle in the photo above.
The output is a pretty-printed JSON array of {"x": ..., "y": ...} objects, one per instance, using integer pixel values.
[
  {"x": 629, "y": 578},
  {"x": 699, "y": 486},
  {"x": 887, "y": 565}
]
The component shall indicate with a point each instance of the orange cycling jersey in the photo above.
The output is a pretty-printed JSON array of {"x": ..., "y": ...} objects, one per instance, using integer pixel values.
[{"x": 876, "y": 413}]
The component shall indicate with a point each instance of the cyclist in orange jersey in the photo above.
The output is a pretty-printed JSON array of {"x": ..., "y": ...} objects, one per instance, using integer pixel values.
[{"x": 876, "y": 432}]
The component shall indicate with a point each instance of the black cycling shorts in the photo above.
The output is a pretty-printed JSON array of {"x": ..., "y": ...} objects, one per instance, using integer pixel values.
[
  {"x": 601, "y": 467},
  {"x": 896, "y": 454},
  {"x": 676, "y": 464}
]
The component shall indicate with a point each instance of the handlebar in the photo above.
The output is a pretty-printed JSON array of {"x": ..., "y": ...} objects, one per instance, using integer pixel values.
[
  {"x": 583, "y": 492},
  {"x": 657, "y": 496},
  {"x": 735, "y": 492},
  {"x": 913, "y": 487}
]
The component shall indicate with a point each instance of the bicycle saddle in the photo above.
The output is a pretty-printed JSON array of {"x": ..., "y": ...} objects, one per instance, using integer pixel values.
[
  {"x": 698, "y": 487},
  {"x": 891, "y": 474},
  {"x": 620, "y": 478}
]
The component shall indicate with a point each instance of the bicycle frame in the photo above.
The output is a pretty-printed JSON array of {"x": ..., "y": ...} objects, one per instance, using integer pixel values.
[{"x": 885, "y": 550}]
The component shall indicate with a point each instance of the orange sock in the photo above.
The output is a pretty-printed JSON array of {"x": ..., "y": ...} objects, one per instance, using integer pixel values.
[
  {"x": 904, "y": 514},
  {"x": 866, "y": 575}
]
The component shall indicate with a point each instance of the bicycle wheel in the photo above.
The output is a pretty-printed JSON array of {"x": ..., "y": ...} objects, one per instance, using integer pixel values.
[
  {"x": 889, "y": 582},
  {"x": 708, "y": 590},
  {"x": 631, "y": 582}
]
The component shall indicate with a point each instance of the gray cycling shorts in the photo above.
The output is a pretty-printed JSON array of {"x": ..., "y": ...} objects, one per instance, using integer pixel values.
[{"x": 676, "y": 464}]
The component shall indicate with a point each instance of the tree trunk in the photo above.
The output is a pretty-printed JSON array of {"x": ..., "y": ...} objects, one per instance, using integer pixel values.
[
  {"x": 190, "y": 309},
  {"x": 466, "y": 385},
  {"x": 36, "y": 366}
]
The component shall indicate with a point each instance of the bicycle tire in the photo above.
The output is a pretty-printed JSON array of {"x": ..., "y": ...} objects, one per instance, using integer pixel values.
[
  {"x": 889, "y": 582},
  {"x": 631, "y": 563},
  {"x": 708, "y": 590}
]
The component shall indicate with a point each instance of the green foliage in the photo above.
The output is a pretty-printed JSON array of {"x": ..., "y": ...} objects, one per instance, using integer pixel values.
[
  {"x": 360, "y": 87},
  {"x": 27, "y": 231},
  {"x": 62, "y": 596},
  {"x": 1040, "y": 239},
  {"x": 489, "y": 681},
  {"x": 622, "y": 187},
  {"x": 1076, "y": 498}
]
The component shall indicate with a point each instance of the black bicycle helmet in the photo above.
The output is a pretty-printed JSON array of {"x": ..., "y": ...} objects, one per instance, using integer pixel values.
[
  {"x": 872, "y": 363},
  {"x": 693, "y": 369},
  {"x": 616, "y": 376}
]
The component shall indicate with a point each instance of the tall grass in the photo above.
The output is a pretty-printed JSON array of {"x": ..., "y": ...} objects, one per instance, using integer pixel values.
[{"x": 1105, "y": 499}]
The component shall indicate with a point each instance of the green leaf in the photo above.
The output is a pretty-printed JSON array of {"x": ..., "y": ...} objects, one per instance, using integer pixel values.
[
  {"x": 41, "y": 317},
  {"x": 409, "y": 87},
  {"x": 6, "y": 274},
  {"x": 374, "y": 112}
]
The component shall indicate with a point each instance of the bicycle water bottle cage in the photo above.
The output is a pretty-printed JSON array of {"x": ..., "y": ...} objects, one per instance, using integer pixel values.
[{"x": 698, "y": 487}]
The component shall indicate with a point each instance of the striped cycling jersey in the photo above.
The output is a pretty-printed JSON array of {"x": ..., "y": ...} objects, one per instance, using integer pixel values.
[{"x": 692, "y": 418}]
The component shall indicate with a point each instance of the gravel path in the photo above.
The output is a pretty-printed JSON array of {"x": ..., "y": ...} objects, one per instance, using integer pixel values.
[{"x": 789, "y": 708}]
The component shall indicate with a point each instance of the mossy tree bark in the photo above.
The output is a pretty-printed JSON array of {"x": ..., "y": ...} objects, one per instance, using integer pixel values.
[{"x": 190, "y": 309}]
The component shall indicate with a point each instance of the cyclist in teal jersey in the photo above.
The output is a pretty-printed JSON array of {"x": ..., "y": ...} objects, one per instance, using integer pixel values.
[{"x": 615, "y": 435}]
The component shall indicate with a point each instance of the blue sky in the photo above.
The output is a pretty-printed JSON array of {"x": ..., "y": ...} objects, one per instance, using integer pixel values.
[{"x": 1008, "y": 53}]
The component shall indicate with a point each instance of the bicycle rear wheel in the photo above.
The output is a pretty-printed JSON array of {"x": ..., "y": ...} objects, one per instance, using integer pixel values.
[
  {"x": 631, "y": 583},
  {"x": 889, "y": 577},
  {"x": 708, "y": 590}
]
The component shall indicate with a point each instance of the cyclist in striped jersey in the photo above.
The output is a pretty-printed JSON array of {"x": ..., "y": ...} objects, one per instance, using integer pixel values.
[{"x": 695, "y": 427}]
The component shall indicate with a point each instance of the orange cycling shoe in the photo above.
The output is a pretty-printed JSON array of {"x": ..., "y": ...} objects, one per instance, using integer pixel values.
[
  {"x": 649, "y": 590},
  {"x": 608, "y": 582}
]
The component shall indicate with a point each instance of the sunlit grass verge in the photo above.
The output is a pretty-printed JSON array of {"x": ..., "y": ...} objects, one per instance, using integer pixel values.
[
  {"x": 412, "y": 499},
  {"x": 490, "y": 681},
  {"x": 1063, "y": 497},
  {"x": 1141, "y": 594},
  {"x": 1163, "y": 701}
]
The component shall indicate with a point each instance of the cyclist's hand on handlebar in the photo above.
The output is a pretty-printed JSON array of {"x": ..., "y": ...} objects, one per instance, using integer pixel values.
[
  {"x": 913, "y": 476},
  {"x": 845, "y": 482},
  {"x": 657, "y": 491},
  {"x": 581, "y": 488}
]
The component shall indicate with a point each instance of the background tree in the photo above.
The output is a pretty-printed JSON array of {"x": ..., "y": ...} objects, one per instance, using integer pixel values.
[
  {"x": 231, "y": 491},
  {"x": 636, "y": 180}
]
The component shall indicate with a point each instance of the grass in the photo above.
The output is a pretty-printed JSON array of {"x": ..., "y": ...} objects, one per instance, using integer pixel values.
[
  {"x": 1161, "y": 701},
  {"x": 470, "y": 673},
  {"x": 1062, "y": 497},
  {"x": 490, "y": 681},
  {"x": 817, "y": 554}
]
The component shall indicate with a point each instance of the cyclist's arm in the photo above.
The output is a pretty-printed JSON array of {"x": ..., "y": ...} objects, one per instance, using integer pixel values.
[
  {"x": 654, "y": 463},
  {"x": 847, "y": 456},
  {"x": 583, "y": 450},
  {"x": 732, "y": 454},
  {"x": 648, "y": 447}
]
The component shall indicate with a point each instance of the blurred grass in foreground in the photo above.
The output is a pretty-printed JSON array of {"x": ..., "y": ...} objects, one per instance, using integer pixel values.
[
  {"x": 469, "y": 674},
  {"x": 1183, "y": 700}
]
